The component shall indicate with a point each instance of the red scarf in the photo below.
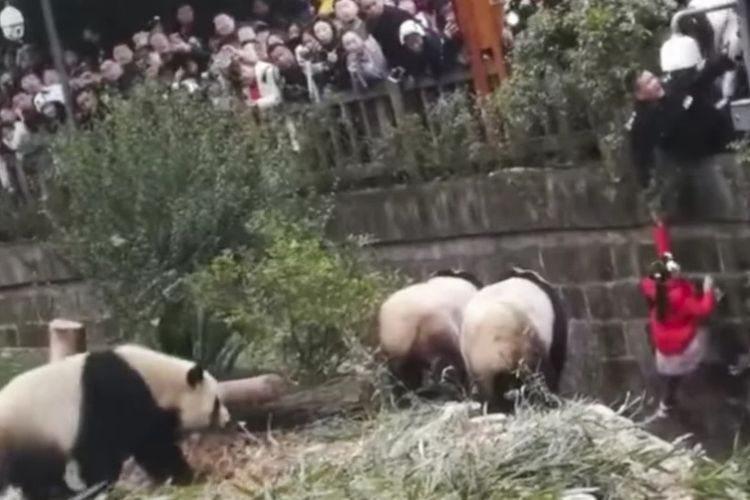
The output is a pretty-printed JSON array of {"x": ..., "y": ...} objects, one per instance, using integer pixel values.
[{"x": 253, "y": 91}]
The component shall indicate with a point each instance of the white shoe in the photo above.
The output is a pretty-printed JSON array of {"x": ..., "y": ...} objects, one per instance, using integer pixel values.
[{"x": 663, "y": 410}]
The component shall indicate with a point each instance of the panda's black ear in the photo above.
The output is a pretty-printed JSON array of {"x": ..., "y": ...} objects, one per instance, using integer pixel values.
[{"x": 195, "y": 375}]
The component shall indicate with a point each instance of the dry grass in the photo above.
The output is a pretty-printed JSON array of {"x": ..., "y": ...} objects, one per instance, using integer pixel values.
[{"x": 454, "y": 452}]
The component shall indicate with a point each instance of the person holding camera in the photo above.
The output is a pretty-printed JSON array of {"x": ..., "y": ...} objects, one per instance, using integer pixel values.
[{"x": 677, "y": 130}]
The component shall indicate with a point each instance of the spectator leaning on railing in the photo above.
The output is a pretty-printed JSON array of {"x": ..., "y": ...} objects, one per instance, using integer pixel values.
[{"x": 267, "y": 52}]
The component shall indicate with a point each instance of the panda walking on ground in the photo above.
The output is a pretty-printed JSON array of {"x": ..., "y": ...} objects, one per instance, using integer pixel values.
[
  {"x": 418, "y": 327},
  {"x": 519, "y": 320},
  {"x": 98, "y": 409}
]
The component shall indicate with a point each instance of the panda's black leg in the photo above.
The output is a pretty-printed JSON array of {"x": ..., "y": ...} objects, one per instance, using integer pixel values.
[
  {"x": 103, "y": 463},
  {"x": 407, "y": 375},
  {"x": 164, "y": 460},
  {"x": 39, "y": 473},
  {"x": 449, "y": 373},
  {"x": 45, "y": 491},
  {"x": 551, "y": 375}
]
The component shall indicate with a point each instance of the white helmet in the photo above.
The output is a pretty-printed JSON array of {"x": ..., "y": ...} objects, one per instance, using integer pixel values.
[
  {"x": 12, "y": 23},
  {"x": 679, "y": 52},
  {"x": 48, "y": 95}
]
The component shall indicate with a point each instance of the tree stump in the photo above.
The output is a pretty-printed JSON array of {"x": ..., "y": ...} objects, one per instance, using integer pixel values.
[{"x": 65, "y": 339}]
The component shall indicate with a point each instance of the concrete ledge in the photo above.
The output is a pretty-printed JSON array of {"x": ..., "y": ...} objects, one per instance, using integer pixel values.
[
  {"x": 509, "y": 202},
  {"x": 32, "y": 263}
]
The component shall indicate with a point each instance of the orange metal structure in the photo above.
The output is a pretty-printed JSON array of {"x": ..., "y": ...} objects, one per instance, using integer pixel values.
[{"x": 481, "y": 22}]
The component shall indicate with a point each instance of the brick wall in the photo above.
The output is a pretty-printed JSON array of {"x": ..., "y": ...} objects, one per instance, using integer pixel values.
[
  {"x": 587, "y": 234},
  {"x": 37, "y": 285}
]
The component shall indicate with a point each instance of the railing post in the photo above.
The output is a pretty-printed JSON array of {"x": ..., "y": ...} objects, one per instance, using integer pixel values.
[
  {"x": 23, "y": 181},
  {"x": 397, "y": 100}
]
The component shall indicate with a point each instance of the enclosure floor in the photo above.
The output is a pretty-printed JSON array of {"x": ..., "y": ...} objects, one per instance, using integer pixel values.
[{"x": 713, "y": 407}]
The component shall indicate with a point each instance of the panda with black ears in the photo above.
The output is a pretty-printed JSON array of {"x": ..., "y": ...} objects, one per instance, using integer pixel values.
[
  {"x": 518, "y": 322},
  {"x": 97, "y": 410}
]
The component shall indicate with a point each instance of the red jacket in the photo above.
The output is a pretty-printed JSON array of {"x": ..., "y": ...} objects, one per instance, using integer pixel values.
[{"x": 685, "y": 311}]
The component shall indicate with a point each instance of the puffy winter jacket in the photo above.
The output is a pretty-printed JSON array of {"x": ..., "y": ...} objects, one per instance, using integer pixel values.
[{"x": 686, "y": 309}]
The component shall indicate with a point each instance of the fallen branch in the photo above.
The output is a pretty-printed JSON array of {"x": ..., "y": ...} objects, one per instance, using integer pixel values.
[
  {"x": 254, "y": 390},
  {"x": 338, "y": 397}
]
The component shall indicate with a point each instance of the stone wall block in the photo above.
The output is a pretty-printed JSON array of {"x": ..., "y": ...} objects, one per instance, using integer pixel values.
[
  {"x": 646, "y": 254},
  {"x": 697, "y": 254},
  {"x": 625, "y": 261},
  {"x": 578, "y": 264},
  {"x": 734, "y": 253},
  {"x": 9, "y": 336},
  {"x": 727, "y": 340},
  {"x": 638, "y": 341},
  {"x": 574, "y": 301},
  {"x": 14, "y": 307},
  {"x": 611, "y": 340},
  {"x": 628, "y": 301},
  {"x": 581, "y": 374},
  {"x": 601, "y": 305},
  {"x": 736, "y": 299},
  {"x": 497, "y": 266},
  {"x": 33, "y": 335},
  {"x": 593, "y": 201},
  {"x": 24, "y": 264}
]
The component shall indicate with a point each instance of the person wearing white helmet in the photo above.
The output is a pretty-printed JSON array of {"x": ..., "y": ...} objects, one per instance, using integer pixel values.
[
  {"x": 676, "y": 130},
  {"x": 12, "y": 24}
]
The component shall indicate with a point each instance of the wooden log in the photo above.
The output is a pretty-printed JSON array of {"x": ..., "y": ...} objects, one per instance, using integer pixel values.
[
  {"x": 254, "y": 390},
  {"x": 65, "y": 339},
  {"x": 339, "y": 397}
]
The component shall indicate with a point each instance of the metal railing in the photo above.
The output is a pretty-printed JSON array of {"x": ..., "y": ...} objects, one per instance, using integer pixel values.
[{"x": 356, "y": 123}]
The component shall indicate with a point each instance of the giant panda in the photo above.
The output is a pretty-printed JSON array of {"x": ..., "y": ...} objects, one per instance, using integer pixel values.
[
  {"x": 519, "y": 319},
  {"x": 98, "y": 409},
  {"x": 418, "y": 327}
]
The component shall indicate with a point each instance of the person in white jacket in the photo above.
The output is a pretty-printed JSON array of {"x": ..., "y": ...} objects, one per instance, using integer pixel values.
[
  {"x": 260, "y": 84},
  {"x": 364, "y": 58}
]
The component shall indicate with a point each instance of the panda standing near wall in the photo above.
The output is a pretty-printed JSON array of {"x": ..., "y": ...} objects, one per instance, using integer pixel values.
[
  {"x": 517, "y": 321},
  {"x": 98, "y": 409},
  {"x": 419, "y": 325}
]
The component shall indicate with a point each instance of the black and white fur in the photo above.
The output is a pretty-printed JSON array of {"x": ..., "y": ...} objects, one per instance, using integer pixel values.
[
  {"x": 419, "y": 325},
  {"x": 98, "y": 409},
  {"x": 519, "y": 319}
]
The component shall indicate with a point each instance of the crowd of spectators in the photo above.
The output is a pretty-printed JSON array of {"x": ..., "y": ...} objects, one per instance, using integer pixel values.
[{"x": 273, "y": 52}]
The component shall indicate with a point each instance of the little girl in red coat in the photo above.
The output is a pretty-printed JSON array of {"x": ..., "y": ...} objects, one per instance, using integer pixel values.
[{"x": 677, "y": 310}]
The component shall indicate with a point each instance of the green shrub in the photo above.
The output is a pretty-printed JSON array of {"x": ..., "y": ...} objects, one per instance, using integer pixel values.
[
  {"x": 573, "y": 59},
  {"x": 158, "y": 189},
  {"x": 20, "y": 220},
  {"x": 302, "y": 306}
]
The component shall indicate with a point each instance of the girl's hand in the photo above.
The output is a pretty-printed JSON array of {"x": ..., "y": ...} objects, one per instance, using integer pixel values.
[{"x": 708, "y": 283}]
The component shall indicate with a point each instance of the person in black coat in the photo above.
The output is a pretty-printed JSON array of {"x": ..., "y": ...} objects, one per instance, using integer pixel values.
[
  {"x": 426, "y": 56},
  {"x": 675, "y": 132},
  {"x": 384, "y": 24}
]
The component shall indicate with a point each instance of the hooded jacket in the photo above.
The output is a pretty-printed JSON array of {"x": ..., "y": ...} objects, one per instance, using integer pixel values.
[
  {"x": 686, "y": 309},
  {"x": 686, "y": 306}
]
